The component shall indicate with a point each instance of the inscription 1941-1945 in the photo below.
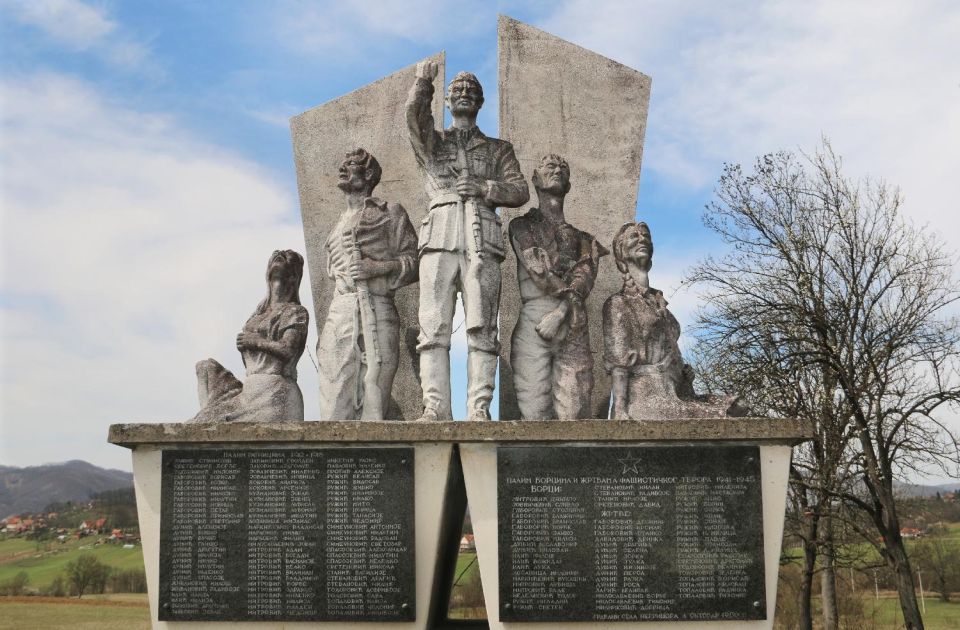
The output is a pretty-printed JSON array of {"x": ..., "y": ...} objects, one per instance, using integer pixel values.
[
  {"x": 630, "y": 533},
  {"x": 287, "y": 535}
]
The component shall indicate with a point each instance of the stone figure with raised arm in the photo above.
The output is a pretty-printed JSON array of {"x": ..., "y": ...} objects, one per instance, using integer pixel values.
[
  {"x": 640, "y": 351},
  {"x": 271, "y": 344},
  {"x": 461, "y": 245},
  {"x": 556, "y": 268},
  {"x": 371, "y": 252}
]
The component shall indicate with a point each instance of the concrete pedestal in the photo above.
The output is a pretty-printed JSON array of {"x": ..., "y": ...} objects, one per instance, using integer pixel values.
[{"x": 439, "y": 488}]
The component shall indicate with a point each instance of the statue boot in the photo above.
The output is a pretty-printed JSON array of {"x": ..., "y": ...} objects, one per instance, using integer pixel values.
[
  {"x": 481, "y": 376},
  {"x": 435, "y": 381}
]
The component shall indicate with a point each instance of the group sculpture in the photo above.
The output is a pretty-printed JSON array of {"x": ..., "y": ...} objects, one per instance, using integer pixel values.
[{"x": 374, "y": 250}]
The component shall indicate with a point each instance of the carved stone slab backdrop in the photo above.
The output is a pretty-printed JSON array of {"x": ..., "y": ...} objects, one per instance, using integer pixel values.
[
  {"x": 556, "y": 97},
  {"x": 372, "y": 117}
]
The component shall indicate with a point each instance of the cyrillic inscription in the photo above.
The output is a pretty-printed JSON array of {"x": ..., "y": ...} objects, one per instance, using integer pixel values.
[
  {"x": 630, "y": 533},
  {"x": 287, "y": 535}
]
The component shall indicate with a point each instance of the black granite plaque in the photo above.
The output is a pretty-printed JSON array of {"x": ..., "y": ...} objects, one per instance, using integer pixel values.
[
  {"x": 630, "y": 533},
  {"x": 287, "y": 535}
]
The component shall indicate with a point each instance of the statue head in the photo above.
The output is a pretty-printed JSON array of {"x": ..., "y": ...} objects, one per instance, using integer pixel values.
[
  {"x": 285, "y": 268},
  {"x": 464, "y": 95},
  {"x": 359, "y": 172},
  {"x": 552, "y": 175},
  {"x": 633, "y": 244}
]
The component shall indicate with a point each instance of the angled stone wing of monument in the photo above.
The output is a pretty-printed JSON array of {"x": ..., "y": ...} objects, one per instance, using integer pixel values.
[{"x": 556, "y": 97}]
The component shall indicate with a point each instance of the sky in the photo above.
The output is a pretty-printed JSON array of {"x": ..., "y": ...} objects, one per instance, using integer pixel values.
[{"x": 146, "y": 168}]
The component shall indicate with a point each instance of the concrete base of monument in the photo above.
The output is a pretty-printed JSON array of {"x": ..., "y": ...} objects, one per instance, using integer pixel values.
[
  {"x": 480, "y": 467},
  {"x": 431, "y": 470},
  {"x": 443, "y": 482}
]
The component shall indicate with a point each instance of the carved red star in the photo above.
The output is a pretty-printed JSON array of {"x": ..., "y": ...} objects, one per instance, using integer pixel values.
[{"x": 629, "y": 463}]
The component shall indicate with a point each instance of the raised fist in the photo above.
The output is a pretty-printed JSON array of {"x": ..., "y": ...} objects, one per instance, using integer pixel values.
[{"x": 427, "y": 70}]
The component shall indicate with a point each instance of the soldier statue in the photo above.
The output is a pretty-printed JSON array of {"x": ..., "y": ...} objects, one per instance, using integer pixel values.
[
  {"x": 556, "y": 267},
  {"x": 371, "y": 252},
  {"x": 461, "y": 245}
]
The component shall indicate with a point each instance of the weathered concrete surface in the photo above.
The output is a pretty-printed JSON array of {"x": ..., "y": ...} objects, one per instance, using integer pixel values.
[
  {"x": 556, "y": 97},
  {"x": 747, "y": 429},
  {"x": 480, "y": 468},
  {"x": 372, "y": 117}
]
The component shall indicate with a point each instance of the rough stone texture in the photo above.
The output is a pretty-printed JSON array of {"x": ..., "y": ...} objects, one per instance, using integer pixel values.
[
  {"x": 372, "y": 117},
  {"x": 556, "y": 97},
  {"x": 557, "y": 267},
  {"x": 750, "y": 429},
  {"x": 271, "y": 343},
  {"x": 371, "y": 252},
  {"x": 467, "y": 176},
  {"x": 640, "y": 350}
]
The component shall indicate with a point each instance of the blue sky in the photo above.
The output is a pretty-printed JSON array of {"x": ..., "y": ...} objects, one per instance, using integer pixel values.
[{"x": 147, "y": 169}]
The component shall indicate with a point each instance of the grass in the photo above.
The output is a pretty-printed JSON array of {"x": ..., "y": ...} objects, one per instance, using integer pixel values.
[
  {"x": 886, "y": 612},
  {"x": 13, "y": 546},
  {"x": 464, "y": 560},
  {"x": 867, "y": 554},
  {"x": 93, "y": 613},
  {"x": 44, "y": 566}
]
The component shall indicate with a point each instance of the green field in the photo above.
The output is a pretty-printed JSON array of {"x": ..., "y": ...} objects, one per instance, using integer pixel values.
[
  {"x": 885, "y": 613},
  {"x": 867, "y": 553},
  {"x": 126, "y": 612},
  {"x": 464, "y": 560},
  {"x": 45, "y": 563},
  {"x": 13, "y": 546}
]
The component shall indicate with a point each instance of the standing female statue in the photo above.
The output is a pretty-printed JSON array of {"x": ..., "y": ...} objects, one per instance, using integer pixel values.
[
  {"x": 271, "y": 344},
  {"x": 649, "y": 378}
]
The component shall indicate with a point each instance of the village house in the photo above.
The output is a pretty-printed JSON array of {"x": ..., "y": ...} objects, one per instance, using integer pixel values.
[{"x": 910, "y": 532}]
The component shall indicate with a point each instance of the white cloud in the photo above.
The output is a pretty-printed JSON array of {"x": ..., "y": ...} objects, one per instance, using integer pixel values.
[
  {"x": 735, "y": 80},
  {"x": 71, "y": 22},
  {"x": 351, "y": 29},
  {"x": 130, "y": 251},
  {"x": 80, "y": 27},
  {"x": 276, "y": 116}
]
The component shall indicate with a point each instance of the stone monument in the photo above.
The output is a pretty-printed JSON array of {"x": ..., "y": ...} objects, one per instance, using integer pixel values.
[
  {"x": 373, "y": 117},
  {"x": 650, "y": 379},
  {"x": 271, "y": 344},
  {"x": 467, "y": 176},
  {"x": 557, "y": 266},
  {"x": 371, "y": 252},
  {"x": 579, "y": 524},
  {"x": 556, "y": 97}
]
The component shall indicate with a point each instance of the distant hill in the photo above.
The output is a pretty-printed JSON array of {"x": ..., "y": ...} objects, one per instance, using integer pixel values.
[
  {"x": 33, "y": 488},
  {"x": 916, "y": 490}
]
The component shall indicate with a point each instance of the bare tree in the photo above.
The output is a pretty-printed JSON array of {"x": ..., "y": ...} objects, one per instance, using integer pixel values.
[
  {"x": 940, "y": 556},
  {"x": 774, "y": 382},
  {"x": 828, "y": 293}
]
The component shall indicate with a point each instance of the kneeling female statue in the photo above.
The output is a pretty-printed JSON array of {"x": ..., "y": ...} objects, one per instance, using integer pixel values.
[
  {"x": 649, "y": 378},
  {"x": 271, "y": 344}
]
